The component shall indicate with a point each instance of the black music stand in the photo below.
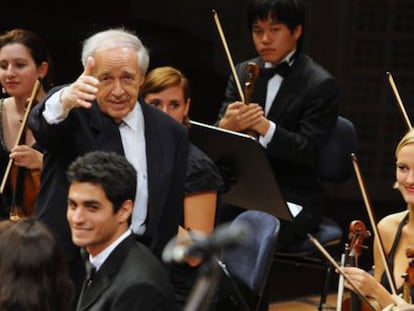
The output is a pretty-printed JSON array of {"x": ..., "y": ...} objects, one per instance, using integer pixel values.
[{"x": 245, "y": 168}]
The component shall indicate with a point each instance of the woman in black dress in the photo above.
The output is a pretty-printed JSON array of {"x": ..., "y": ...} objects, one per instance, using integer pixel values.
[{"x": 168, "y": 89}]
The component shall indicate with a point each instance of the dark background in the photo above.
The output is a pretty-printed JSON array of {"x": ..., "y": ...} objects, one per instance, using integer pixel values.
[{"x": 358, "y": 41}]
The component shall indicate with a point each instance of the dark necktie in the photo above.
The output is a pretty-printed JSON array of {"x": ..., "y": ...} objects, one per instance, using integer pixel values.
[
  {"x": 89, "y": 267},
  {"x": 90, "y": 272},
  {"x": 109, "y": 138}
]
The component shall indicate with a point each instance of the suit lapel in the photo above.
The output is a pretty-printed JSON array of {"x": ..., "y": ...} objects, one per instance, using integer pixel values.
[
  {"x": 106, "y": 131},
  {"x": 92, "y": 292},
  {"x": 105, "y": 275},
  {"x": 156, "y": 167},
  {"x": 283, "y": 97},
  {"x": 287, "y": 90}
]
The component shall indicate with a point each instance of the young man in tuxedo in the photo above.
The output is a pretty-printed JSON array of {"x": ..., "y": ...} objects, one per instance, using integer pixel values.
[
  {"x": 292, "y": 110},
  {"x": 100, "y": 204}
]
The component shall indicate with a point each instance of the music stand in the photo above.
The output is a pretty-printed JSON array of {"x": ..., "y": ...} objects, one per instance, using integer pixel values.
[{"x": 244, "y": 166}]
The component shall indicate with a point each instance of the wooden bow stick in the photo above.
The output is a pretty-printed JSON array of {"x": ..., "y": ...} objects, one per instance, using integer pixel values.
[
  {"x": 340, "y": 270},
  {"x": 399, "y": 101},
  {"x": 32, "y": 98},
  {"x": 226, "y": 48},
  {"x": 377, "y": 237}
]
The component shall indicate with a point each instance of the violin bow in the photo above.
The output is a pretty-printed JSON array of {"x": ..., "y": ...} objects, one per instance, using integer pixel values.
[
  {"x": 399, "y": 101},
  {"x": 370, "y": 211},
  {"x": 340, "y": 285},
  {"x": 32, "y": 98},
  {"x": 339, "y": 269},
  {"x": 230, "y": 60}
]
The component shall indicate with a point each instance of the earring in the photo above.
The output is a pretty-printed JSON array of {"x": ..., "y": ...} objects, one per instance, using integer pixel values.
[
  {"x": 186, "y": 121},
  {"x": 3, "y": 90},
  {"x": 396, "y": 185}
]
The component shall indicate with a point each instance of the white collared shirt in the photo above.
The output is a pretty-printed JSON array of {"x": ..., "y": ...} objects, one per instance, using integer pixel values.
[
  {"x": 273, "y": 86},
  {"x": 132, "y": 132},
  {"x": 99, "y": 259}
]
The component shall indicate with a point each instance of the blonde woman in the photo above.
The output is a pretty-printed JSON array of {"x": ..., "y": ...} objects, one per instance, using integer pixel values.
[{"x": 396, "y": 231}]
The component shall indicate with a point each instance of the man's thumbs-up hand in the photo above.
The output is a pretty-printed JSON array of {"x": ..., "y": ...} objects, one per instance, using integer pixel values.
[{"x": 81, "y": 92}]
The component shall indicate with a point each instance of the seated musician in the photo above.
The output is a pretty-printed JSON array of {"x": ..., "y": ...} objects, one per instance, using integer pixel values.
[
  {"x": 24, "y": 58},
  {"x": 168, "y": 89},
  {"x": 397, "y": 235},
  {"x": 293, "y": 108}
]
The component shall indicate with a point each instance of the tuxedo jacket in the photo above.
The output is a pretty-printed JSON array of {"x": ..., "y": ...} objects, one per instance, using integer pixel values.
[
  {"x": 86, "y": 130},
  {"x": 304, "y": 110},
  {"x": 131, "y": 278}
]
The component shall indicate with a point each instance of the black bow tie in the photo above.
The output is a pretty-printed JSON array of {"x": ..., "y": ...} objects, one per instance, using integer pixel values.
[{"x": 281, "y": 69}]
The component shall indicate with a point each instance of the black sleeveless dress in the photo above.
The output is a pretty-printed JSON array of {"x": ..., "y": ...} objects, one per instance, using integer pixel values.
[{"x": 391, "y": 255}]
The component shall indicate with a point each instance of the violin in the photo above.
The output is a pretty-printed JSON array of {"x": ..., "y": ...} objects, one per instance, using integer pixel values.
[
  {"x": 252, "y": 70},
  {"x": 368, "y": 303},
  {"x": 377, "y": 237},
  {"x": 408, "y": 276},
  {"x": 357, "y": 234},
  {"x": 25, "y": 186},
  {"x": 24, "y": 182}
]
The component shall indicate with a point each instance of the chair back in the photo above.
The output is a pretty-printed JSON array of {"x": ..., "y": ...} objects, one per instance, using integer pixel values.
[
  {"x": 251, "y": 263},
  {"x": 335, "y": 161}
]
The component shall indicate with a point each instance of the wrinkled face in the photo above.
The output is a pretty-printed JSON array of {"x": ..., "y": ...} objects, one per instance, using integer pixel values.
[
  {"x": 171, "y": 101},
  {"x": 119, "y": 76},
  {"x": 18, "y": 71},
  {"x": 91, "y": 217},
  {"x": 273, "y": 40},
  {"x": 405, "y": 172}
]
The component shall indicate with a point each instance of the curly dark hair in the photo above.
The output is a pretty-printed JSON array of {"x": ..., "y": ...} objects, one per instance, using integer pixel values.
[{"x": 111, "y": 171}]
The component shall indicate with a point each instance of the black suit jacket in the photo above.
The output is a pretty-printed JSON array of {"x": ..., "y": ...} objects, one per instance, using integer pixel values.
[
  {"x": 86, "y": 130},
  {"x": 304, "y": 111},
  {"x": 131, "y": 278}
]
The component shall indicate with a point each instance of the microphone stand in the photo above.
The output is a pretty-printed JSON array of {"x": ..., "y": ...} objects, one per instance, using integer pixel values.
[{"x": 203, "y": 292}]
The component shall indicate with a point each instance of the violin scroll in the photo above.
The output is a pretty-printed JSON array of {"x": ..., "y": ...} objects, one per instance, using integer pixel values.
[
  {"x": 252, "y": 70},
  {"x": 357, "y": 233}
]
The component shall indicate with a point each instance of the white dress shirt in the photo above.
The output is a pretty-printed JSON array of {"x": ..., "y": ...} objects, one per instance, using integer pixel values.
[
  {"x": 273, "y": 86},
  {"x": 99, "y": 259},
  {"x": 133, "y": 139}
]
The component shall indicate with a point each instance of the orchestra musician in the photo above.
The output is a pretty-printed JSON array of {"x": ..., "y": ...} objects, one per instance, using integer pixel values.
[
  {"x": 168, "y": 89},
  {"x": 24, "y": 58},
  {"x": 293, "y": 108},
  {"x": 397, "y": 233}
]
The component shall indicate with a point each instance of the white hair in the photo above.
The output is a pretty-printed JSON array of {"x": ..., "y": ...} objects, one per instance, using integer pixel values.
[{"x": 113, "y": 38}]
